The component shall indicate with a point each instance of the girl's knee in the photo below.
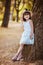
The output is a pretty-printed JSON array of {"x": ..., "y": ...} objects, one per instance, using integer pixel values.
[{"x": 22, "y": 45}]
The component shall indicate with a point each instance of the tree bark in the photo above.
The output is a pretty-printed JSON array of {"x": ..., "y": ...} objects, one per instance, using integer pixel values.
[
  {"x": 6, "y": 14},
  {"x": 36, "y": 52},
  {"x": 38, "y": 24}
]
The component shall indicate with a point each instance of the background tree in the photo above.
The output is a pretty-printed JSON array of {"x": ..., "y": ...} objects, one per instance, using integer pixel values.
[
  {"x": 2, "y": 8},
  {"x": 6, "y": 14}
]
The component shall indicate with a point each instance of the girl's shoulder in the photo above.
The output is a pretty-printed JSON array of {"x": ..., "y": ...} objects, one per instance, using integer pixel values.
[{"x": 30, "y": 20}]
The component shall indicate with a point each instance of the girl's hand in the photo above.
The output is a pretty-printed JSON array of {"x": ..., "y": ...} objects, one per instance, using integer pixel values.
[{"x": 31, "y": 35}]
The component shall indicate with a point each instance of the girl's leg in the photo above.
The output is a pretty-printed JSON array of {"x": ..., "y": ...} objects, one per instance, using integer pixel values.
[{"x": 19, "y": 53}]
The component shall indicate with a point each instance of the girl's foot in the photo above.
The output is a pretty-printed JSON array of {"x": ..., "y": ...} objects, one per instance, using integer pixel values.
[
  {"x": 20, "y": 57},
  {"x": 14, "y": 58},
  {"x": 17, "y": 57}
]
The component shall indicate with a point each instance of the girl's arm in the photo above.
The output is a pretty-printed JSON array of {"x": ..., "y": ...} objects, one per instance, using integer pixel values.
[{"x": 32, "y": 28}]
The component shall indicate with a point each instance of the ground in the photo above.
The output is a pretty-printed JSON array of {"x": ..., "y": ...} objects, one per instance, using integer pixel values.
[{"x": 9, "y": 44}]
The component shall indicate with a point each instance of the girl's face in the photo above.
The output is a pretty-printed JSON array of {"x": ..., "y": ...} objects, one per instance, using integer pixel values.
[{"x": 26, "y": 17}]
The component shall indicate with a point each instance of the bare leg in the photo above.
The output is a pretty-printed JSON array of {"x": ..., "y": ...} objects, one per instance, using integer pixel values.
[{"x": 19, "y": 53}]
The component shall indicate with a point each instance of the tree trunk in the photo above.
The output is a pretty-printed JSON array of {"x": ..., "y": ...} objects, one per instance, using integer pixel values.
[
  {"x": 17, "y": 15},
  {"x": 6, "y": 14},
  {"x": 36, "y": 52},
  {"x": 38, "y": 24}
]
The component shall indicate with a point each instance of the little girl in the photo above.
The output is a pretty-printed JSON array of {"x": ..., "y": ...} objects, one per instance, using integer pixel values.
[{"x": 27, "y": 35}]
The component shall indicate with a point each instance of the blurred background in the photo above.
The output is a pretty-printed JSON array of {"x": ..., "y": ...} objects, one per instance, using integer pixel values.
[{"x": 11, "y": 10}]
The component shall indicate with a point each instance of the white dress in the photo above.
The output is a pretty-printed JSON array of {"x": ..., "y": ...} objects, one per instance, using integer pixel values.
[{"x": 25, "y": 38}]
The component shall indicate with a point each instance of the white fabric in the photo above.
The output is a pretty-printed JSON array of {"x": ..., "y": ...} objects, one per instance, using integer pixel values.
[{"x": 25, "y": 38}]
